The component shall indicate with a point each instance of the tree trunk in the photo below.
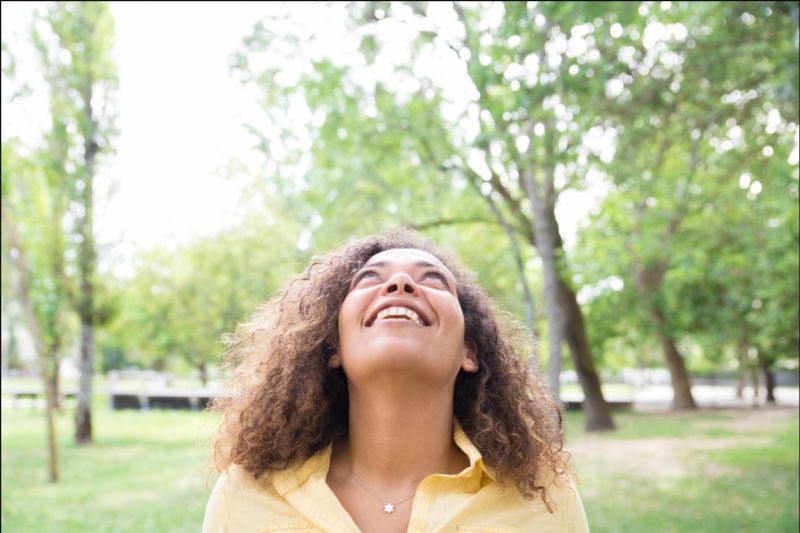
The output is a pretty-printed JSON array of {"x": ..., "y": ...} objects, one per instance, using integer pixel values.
[
  {"x": 87, "y": 253},
  {"x": 768, "y": 376},
  {"x": 203, "y": 369},
  {"x": 648, "y": 279},
  {"x": 682, "y": 398},
  {"x": 59, "y": 275},
  {"x": 83, "y": 412},
  {"x": 740, "y": 373},
  {"x": 598, "y": 414},
  {"x": 544, "y": 231},
  {"x": 527, "y": 298},
  {"x": 38, "y": 341},
  {"x": 564, "y": 312},
  {"x": 756, "y": 385},
  {"x": 55, "y": 379}
]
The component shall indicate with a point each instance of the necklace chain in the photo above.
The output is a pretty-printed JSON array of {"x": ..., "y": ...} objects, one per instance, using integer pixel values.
[{"x": 388, "y": 507}]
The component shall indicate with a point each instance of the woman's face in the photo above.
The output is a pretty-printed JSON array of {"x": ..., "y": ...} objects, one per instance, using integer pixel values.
[{"x": 402, "y": 317}]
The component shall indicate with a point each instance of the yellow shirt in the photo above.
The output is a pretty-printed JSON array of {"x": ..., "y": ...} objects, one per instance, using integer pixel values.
[{"x": 299, "y": 500}]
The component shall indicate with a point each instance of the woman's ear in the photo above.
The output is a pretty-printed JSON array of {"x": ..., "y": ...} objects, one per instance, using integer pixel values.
[
  {"x": 335, "y": 361},
  {"x": 469, "y": 362}
]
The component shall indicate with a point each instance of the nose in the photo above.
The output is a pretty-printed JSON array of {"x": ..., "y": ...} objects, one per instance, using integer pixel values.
[{"x": 400, "y": 283}]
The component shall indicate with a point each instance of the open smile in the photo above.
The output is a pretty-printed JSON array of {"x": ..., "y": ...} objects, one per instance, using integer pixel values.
[{"x": 401, "y": 314}]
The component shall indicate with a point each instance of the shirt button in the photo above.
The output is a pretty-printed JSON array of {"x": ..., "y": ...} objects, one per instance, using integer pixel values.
[{"x": 418, "y": 524}]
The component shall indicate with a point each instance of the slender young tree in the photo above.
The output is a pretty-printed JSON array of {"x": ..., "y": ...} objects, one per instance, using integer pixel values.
[
  {"x": 75, "y": 41},
  {"x": 43, "y": 355}
]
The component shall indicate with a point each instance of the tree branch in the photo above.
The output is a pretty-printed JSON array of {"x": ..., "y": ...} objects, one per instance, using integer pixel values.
[{"x": 449, "y": 222}]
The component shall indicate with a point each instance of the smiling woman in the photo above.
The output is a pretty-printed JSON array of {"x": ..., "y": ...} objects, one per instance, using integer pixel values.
[{"x": 382, "y": 391}]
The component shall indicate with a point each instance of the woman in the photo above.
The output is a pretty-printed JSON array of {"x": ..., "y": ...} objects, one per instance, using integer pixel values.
[{"x": 382, "y": 392}]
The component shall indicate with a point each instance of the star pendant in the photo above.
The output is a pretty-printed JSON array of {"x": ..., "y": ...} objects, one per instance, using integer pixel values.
[{"x": 388, "y": 508}]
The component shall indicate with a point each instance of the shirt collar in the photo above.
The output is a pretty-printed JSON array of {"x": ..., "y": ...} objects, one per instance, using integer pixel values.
[
  {"x": 318, "y": 464},
  {"x": 475, "y": 458}
]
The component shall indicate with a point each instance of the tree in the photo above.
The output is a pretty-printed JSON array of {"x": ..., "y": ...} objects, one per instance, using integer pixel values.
[
  {"x": 182, "y": 299},
  {"x": 41, "y": 350},
  {"x": 490, "y": 139},
  {"x": 741, "y": 287},
  {"x": 34, "y": 205},
  {"x": 75, "y": 41},
  {"x": 690, "y": 108}
]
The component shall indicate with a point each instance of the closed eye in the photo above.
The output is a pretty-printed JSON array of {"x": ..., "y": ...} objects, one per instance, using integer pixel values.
[
  {"x": 437, "y": 276},
  {"x": 364, "y": 275}
]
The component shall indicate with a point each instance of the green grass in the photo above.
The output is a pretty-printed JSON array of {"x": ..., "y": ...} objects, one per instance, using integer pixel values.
[
  {"x": 733, "y": 478},
  {"x": 643, "y": 425},
  {"x": 147, "y": 471}
]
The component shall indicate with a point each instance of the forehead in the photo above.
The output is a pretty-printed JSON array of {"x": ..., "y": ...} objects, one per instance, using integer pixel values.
[{"x": 405, "y": 256}]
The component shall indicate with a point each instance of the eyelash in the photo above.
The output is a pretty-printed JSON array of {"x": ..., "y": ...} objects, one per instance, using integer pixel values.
[
  {"x": 436, "y": 275},
  {"x": 364, "y": 275},
  {"x": 368, "y": 273}
]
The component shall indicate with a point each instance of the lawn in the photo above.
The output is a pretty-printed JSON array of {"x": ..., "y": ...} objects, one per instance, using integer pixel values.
[
  {"x": 714, "y": 470},
  {"x": 147, "y": 471}
]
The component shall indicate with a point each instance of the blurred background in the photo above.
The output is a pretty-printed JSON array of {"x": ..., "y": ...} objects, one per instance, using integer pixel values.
[{"x": 621, "y": 176}]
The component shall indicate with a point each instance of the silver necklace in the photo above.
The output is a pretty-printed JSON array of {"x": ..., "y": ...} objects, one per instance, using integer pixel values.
[{"x": 388, "y": 507}]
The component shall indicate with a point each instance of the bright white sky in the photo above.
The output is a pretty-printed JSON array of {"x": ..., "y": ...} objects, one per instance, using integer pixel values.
[{"x": 180, "y": 116}]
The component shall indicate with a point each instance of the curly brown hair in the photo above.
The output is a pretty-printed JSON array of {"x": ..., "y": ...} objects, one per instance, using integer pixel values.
[{"x": 286, "y": 403}]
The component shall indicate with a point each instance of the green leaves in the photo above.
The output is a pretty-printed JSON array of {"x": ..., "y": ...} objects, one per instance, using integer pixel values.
[
  {"x": 181, "y": 299},
  {"x": 48, "y": 187},
  {"x": 690, "y": 149}
]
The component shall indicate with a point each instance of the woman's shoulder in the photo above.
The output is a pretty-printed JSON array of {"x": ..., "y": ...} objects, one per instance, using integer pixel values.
[
  {"x": 236, "y": 479},
  {"x": 562, "y": 487},
  {"x": 241, "y": 501},
  {"x": 562, "y": 492},
  {"x": 502, "y": 508},
  {"x": 229, "y": 485}
]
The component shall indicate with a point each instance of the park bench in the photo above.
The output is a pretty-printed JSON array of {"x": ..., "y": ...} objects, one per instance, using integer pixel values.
[
  {"x": 190, "y": 399},
  {"x": 576, "y": 405},
  {"x": 36, "y": 393}
]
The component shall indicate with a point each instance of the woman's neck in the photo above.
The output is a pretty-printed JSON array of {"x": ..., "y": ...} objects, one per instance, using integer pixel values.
[{"x": 399, "y": 435}]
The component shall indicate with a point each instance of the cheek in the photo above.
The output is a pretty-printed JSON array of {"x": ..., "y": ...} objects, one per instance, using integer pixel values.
[
  {"x": 454, "y": 320},
  {"x": 344, "y": 318},
  {"x": 349, "y": 315}
]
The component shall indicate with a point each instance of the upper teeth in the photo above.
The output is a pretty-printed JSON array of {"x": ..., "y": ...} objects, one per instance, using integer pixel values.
[{"x": 399, "y": 311}]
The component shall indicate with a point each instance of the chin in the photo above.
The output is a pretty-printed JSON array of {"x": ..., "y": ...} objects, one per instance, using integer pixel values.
[
  {"x": 389, "y": 353},
  {"x": 396, "y": 347}
]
